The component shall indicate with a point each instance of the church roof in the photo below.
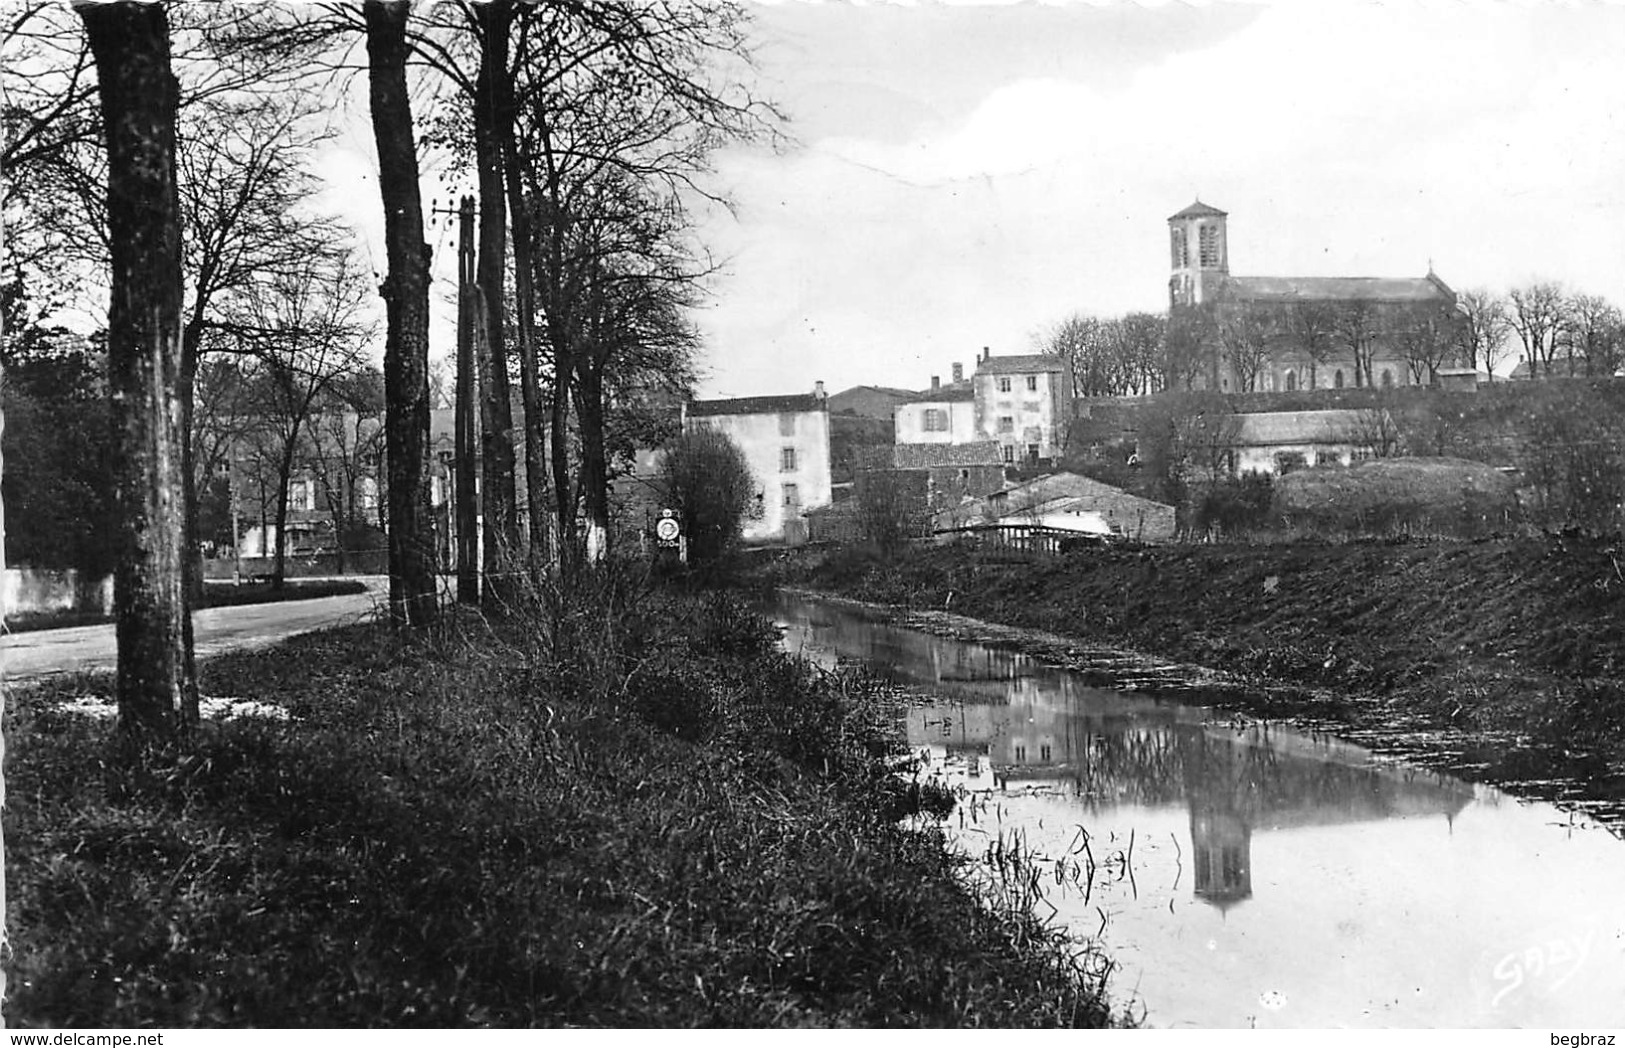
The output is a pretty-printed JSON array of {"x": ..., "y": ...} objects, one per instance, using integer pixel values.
[
  {"x": 1341, "y": 289},
  {"x": 1198, "y": 210}
]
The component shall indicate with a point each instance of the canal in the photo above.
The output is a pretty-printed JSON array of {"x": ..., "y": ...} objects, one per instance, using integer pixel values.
[{"x": 1239, "y": 873}]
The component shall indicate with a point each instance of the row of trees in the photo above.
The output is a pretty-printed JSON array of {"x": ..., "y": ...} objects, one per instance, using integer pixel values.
[
  {"x": 1141, "y": 353},
  {"x": 160, "y": 158},
  {"x": 1559, "y": 332}
]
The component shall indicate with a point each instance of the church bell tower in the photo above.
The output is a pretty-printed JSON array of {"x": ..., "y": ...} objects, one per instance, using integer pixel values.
[{"x": 1200, "y": 249}]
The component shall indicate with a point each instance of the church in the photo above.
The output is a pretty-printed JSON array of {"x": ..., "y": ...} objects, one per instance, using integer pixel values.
[{"x": 1291, "y": 333}]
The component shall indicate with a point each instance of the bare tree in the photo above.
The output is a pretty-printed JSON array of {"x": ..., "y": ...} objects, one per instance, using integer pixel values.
[
  {"x": 157, "y": 689},
  {"x": 1483, "y": 329},
  {"x": 1187, "y": 349},
  {"x": 308, "y": 332},
  {"x": 1312, "y": 327},
  {"x": 1592, "y": 335},
  {"x": 1537, "y": 317},
  {"x": 1426, "y": 338},
  {"x": 1245, "y": 332},
  {"x": 1358, "y": 325}
]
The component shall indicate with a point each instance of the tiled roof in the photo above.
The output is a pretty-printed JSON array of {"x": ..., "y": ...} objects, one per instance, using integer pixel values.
[
  {"x": 924, "y": 456},
  {"x": 756, "y": 405},
  {"x": 1338, "y": 426},
  {"x": 953, "y": 391},
  {"x": 1198, "y": 210},
  {"x": 1020, "y": 364},
  {"x": 1314, "y": 289}
]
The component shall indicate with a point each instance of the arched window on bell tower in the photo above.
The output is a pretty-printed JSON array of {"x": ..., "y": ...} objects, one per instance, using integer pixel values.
[{"x": 1197, "y": 252}]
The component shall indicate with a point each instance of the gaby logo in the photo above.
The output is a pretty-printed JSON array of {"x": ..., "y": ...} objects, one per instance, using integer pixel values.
[{"x": 1548, "y": 965}]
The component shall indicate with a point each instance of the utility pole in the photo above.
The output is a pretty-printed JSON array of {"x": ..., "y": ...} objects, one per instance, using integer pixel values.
[{"x": 468, "y": 510}]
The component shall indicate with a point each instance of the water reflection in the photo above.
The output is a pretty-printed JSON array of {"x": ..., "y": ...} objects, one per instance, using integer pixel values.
[{"x": 1329, "y": 889}]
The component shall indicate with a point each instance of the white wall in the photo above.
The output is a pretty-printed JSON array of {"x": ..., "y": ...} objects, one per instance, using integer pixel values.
[
  {"x": 761, "y": 439},
  {"x": 910, "y": 422}
]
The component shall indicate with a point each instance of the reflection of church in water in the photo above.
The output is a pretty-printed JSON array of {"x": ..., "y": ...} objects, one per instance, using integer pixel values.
[{"x": 1118, "y": 749}]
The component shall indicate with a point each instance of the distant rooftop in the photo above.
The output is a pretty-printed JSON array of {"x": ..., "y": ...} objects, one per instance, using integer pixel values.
[
  {"x": 774, "y": 405},
  {"x": 1020, "y": 364}
]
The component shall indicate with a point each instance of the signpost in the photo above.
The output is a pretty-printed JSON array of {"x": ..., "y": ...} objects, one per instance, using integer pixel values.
[{"x": 669, "y": 535}]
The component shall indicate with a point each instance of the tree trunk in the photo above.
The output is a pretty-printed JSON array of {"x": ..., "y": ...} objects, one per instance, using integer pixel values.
[
  {"x": 525, "y": 306},
  {"x": 594, "y": 459},
  {"x": 496, "y": 411},
  {"x": 157, "y": 692},
  {"x": 279, "y": 565},
  {"x": 412, "y": 595}
]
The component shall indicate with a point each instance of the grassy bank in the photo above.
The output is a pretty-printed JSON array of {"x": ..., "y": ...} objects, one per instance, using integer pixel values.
[
  {"x": 215, "y": 595},
  {"x": 1510, "y": 637},
  {"x": 650, "y": 818}
]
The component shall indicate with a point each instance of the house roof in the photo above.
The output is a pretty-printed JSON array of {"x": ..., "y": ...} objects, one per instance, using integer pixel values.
[
  {"x": 757, "y": 405},
  {"x": 924, "y": 456},
  {"x": 1020, "y": 364},
  {"x": 1336, "y": 426},
  {"x": 848, "y": 399},
  {"x": 1198, "y": 210},
  {"x": 952, "y": 392},
  {"x": 1342, "y": 289}
]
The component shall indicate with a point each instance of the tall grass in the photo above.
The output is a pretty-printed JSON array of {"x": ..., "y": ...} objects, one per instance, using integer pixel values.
[{"x": 617, "y": 807}]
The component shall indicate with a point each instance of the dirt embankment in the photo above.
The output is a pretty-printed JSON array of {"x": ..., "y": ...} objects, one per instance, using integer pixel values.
[{"x": 1500, "y": 660}]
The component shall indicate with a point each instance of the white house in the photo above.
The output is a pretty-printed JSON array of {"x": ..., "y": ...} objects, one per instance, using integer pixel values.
[
  {"x": 1023, "y": 403},
  {"x": 1277, "y": 442},
  {"x": 785, "y": 440},
  {"x": 943, "y": 414}
]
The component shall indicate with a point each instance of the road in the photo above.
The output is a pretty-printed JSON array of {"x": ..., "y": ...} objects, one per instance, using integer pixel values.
[{"x": 27, "y": 656}]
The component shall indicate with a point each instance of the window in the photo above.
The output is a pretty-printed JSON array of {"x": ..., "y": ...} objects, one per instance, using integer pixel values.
[
  {"x": 1007, "y": 424},
  {"x": 1004, "y": 383},
  {"x": 1032, "y": 383},
  {"x": 1387, "y": 379},
  {"x": 936, "y": 420},
  {"x": 792, "y": 496},
  {"x": 1181, "y": 257},
  {"x": 1009, "y": 453},
  {"x": 787, "y": 460},
  {"x": 1208, "y": 241},
  {"x": 787, "y": 424},
  {"x": 1337, "y": 379},
  {"x": 1360, "y": 455},
  {"x": 1291, "y": 382},
  {"x": 1021, "y": 753},
  {"x": 1032, "y": 452},
  {"x": 1031, "y": 406},
  {"x": 1288, "y": 461},
  {"x": 1043, "y": 752}
]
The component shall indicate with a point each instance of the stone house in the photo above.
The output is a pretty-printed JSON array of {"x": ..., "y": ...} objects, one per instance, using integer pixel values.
[
  {"x": 786, "y": 443},
  {"x": 1279, "y": 442},
  {"x": 943, "y": 414},
  {"x": 1023, "y": 403}
]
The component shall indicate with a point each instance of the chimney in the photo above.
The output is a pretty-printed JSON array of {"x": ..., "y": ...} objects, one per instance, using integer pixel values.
[
  {"x": 936, "y": 382},
  {"x": 986, "y": 352},
  {"x": 959, "y": 373},
  {"x": 818, "y": 391}
]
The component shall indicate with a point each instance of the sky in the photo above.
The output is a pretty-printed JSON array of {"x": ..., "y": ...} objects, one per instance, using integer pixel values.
[
  {"x": 969, "y": 175},
  {"x": 966, "y": 175}
]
